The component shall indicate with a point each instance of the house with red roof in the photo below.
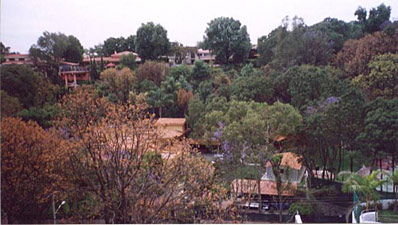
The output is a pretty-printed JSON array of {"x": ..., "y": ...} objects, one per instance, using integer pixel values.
[
  {"x": 111, "y": 61},
  {"x": 72, "y": 73},
  {"x": 291, "y": 170},
  {"x": 17, "y": 59}
]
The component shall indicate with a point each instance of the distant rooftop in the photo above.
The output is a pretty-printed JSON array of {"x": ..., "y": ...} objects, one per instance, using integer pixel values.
[{"x": 170, "y": 121}]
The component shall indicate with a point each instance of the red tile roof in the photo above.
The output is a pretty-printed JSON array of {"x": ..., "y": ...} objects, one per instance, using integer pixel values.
[
  {"x": 289, "y": 159},
  {"x": 267, "y": 187},
  {"x": 171, "y": 121},
  {"x": 16, "y": 55},
  {"x": 18, "y": 62},
  {"x": 169, "y": 134},
  {"x": 69, "y": 63},
  {"x": 120, "y": 54}
]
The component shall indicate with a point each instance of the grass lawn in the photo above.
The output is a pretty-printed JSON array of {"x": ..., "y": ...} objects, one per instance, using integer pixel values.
[{"x": 388, "y": 216}]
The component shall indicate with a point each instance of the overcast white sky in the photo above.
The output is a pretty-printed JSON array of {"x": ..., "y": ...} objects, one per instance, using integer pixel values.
[{"x": 93, "y": 21}]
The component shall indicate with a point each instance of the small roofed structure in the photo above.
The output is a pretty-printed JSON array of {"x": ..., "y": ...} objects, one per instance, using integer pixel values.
[
  {"x": 291, "y": 170},
  {"x": 114, "y": 58},
  {"x": 267, "y": 187},
  {"x": 17, "y": 59},
  {"x": 170, "y": 128},
  {"x": 290, "y": 160},
  {"x": 110, "y": 65},
  {"x": 72, "y": 72}
]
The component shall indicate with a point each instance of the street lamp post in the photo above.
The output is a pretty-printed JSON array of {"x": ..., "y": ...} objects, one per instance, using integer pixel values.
[{"x": 55, "y": 211}]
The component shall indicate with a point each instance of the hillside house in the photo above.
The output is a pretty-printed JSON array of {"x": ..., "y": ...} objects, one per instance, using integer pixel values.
[
  {"x": 292, "y": 172},
  {"x": 111, "y": 61},
  {"x": 206, "y": 56},
  {"x": 171, "y": 128},
  {"x": 17, "y": 59},
  {"x": 72, "y": 73}
]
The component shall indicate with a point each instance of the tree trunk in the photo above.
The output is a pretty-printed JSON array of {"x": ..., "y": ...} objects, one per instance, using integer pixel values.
[
  {"x": 381, "y": 174},
  {"x": 124, "y": 208},
  {"x": 396, "y": 199},
  {"x": 394, "y": 187},
  {"x": 259, "y": 195},
  {"x": 280, "y": 206},
  {"x": 107, "y": 215},
  {"x": 160, "y": 112},
  {"x": 339, "y": 166}
]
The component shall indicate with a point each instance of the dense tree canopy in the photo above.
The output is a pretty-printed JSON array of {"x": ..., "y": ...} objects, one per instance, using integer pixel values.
[
  {"x": 355, "y": 55},
  {"x": 121, "y": 44},
  {"x": 51, "y": 49},
  {"x": 382, "y": 79},
  {"x": 151, "y": 41},
  {"x": 31, "y": 161},
  {"x": 227, "y": 38},
  {"x": 327, "y": 92}
]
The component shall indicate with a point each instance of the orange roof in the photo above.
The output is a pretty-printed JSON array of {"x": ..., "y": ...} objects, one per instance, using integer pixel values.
[
  {"x": 69, "y": 63},
  {"x": 16, "y": 55},
  {"x": 17, "y": 62},
  {"x": 280, "y": 138},
  {"x": 120, "y": 54},
  {"x": 171, "y": 121},
  {"x": 267, "y": 187},
  {"x": 98, "y": 59},
  {"x": 110, "y": 65},
  {"x": 169, "y": 134},
  {"x": 289, "y": 159}
]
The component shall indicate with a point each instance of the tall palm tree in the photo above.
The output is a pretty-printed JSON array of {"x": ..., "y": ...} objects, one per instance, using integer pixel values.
[{"x": 366, "y": 186}]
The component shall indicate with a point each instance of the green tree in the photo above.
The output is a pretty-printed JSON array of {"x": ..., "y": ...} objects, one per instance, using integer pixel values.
[
  {"x": 310, "y": 83},
  {"x": 226, "y": 37},
  {"x": 74, "y": 50},
  {"x": 158, "y": 99},
  {"x": 129, "y": 43},
  {"x": 355, "y": 55},
  {"x": 151, "y": 41},
  {"x": 267, "y": 43},
  {"x": 112, "y": 45},
  {"x": 256, "y": 88},
  {"x": 9, "y": 105},
  {"x": 394, "y": 179},
  {"x": 377, "y": 16},
  {"x": 205, "y": 90},
  {"x": 42, "y": 115},
  {"x": 248, "y": 133},
  {"x": 30, "y": 87},
  {"x": 180, "y": 71},
  {"x": 301, "y": 45},
  {"x": 348, "y": 120},
  {"x": 196, "y": 112},
  {"x": 200, "y": 72},
  {"x": 380, "y": 128},
  {"x": 382, "y": 79},
  {"x": 51, "y": 48},
  {"x": 337, "y": 32},
  {"x": 118, "y": 83},
  {"x": 128, "y": 61},
  {"x": 3, "y": 51},
  {"x": 153, "y": 71}
]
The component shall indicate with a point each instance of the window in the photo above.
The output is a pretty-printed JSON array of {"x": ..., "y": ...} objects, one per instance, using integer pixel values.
[{"x": 21, "y": 59}]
